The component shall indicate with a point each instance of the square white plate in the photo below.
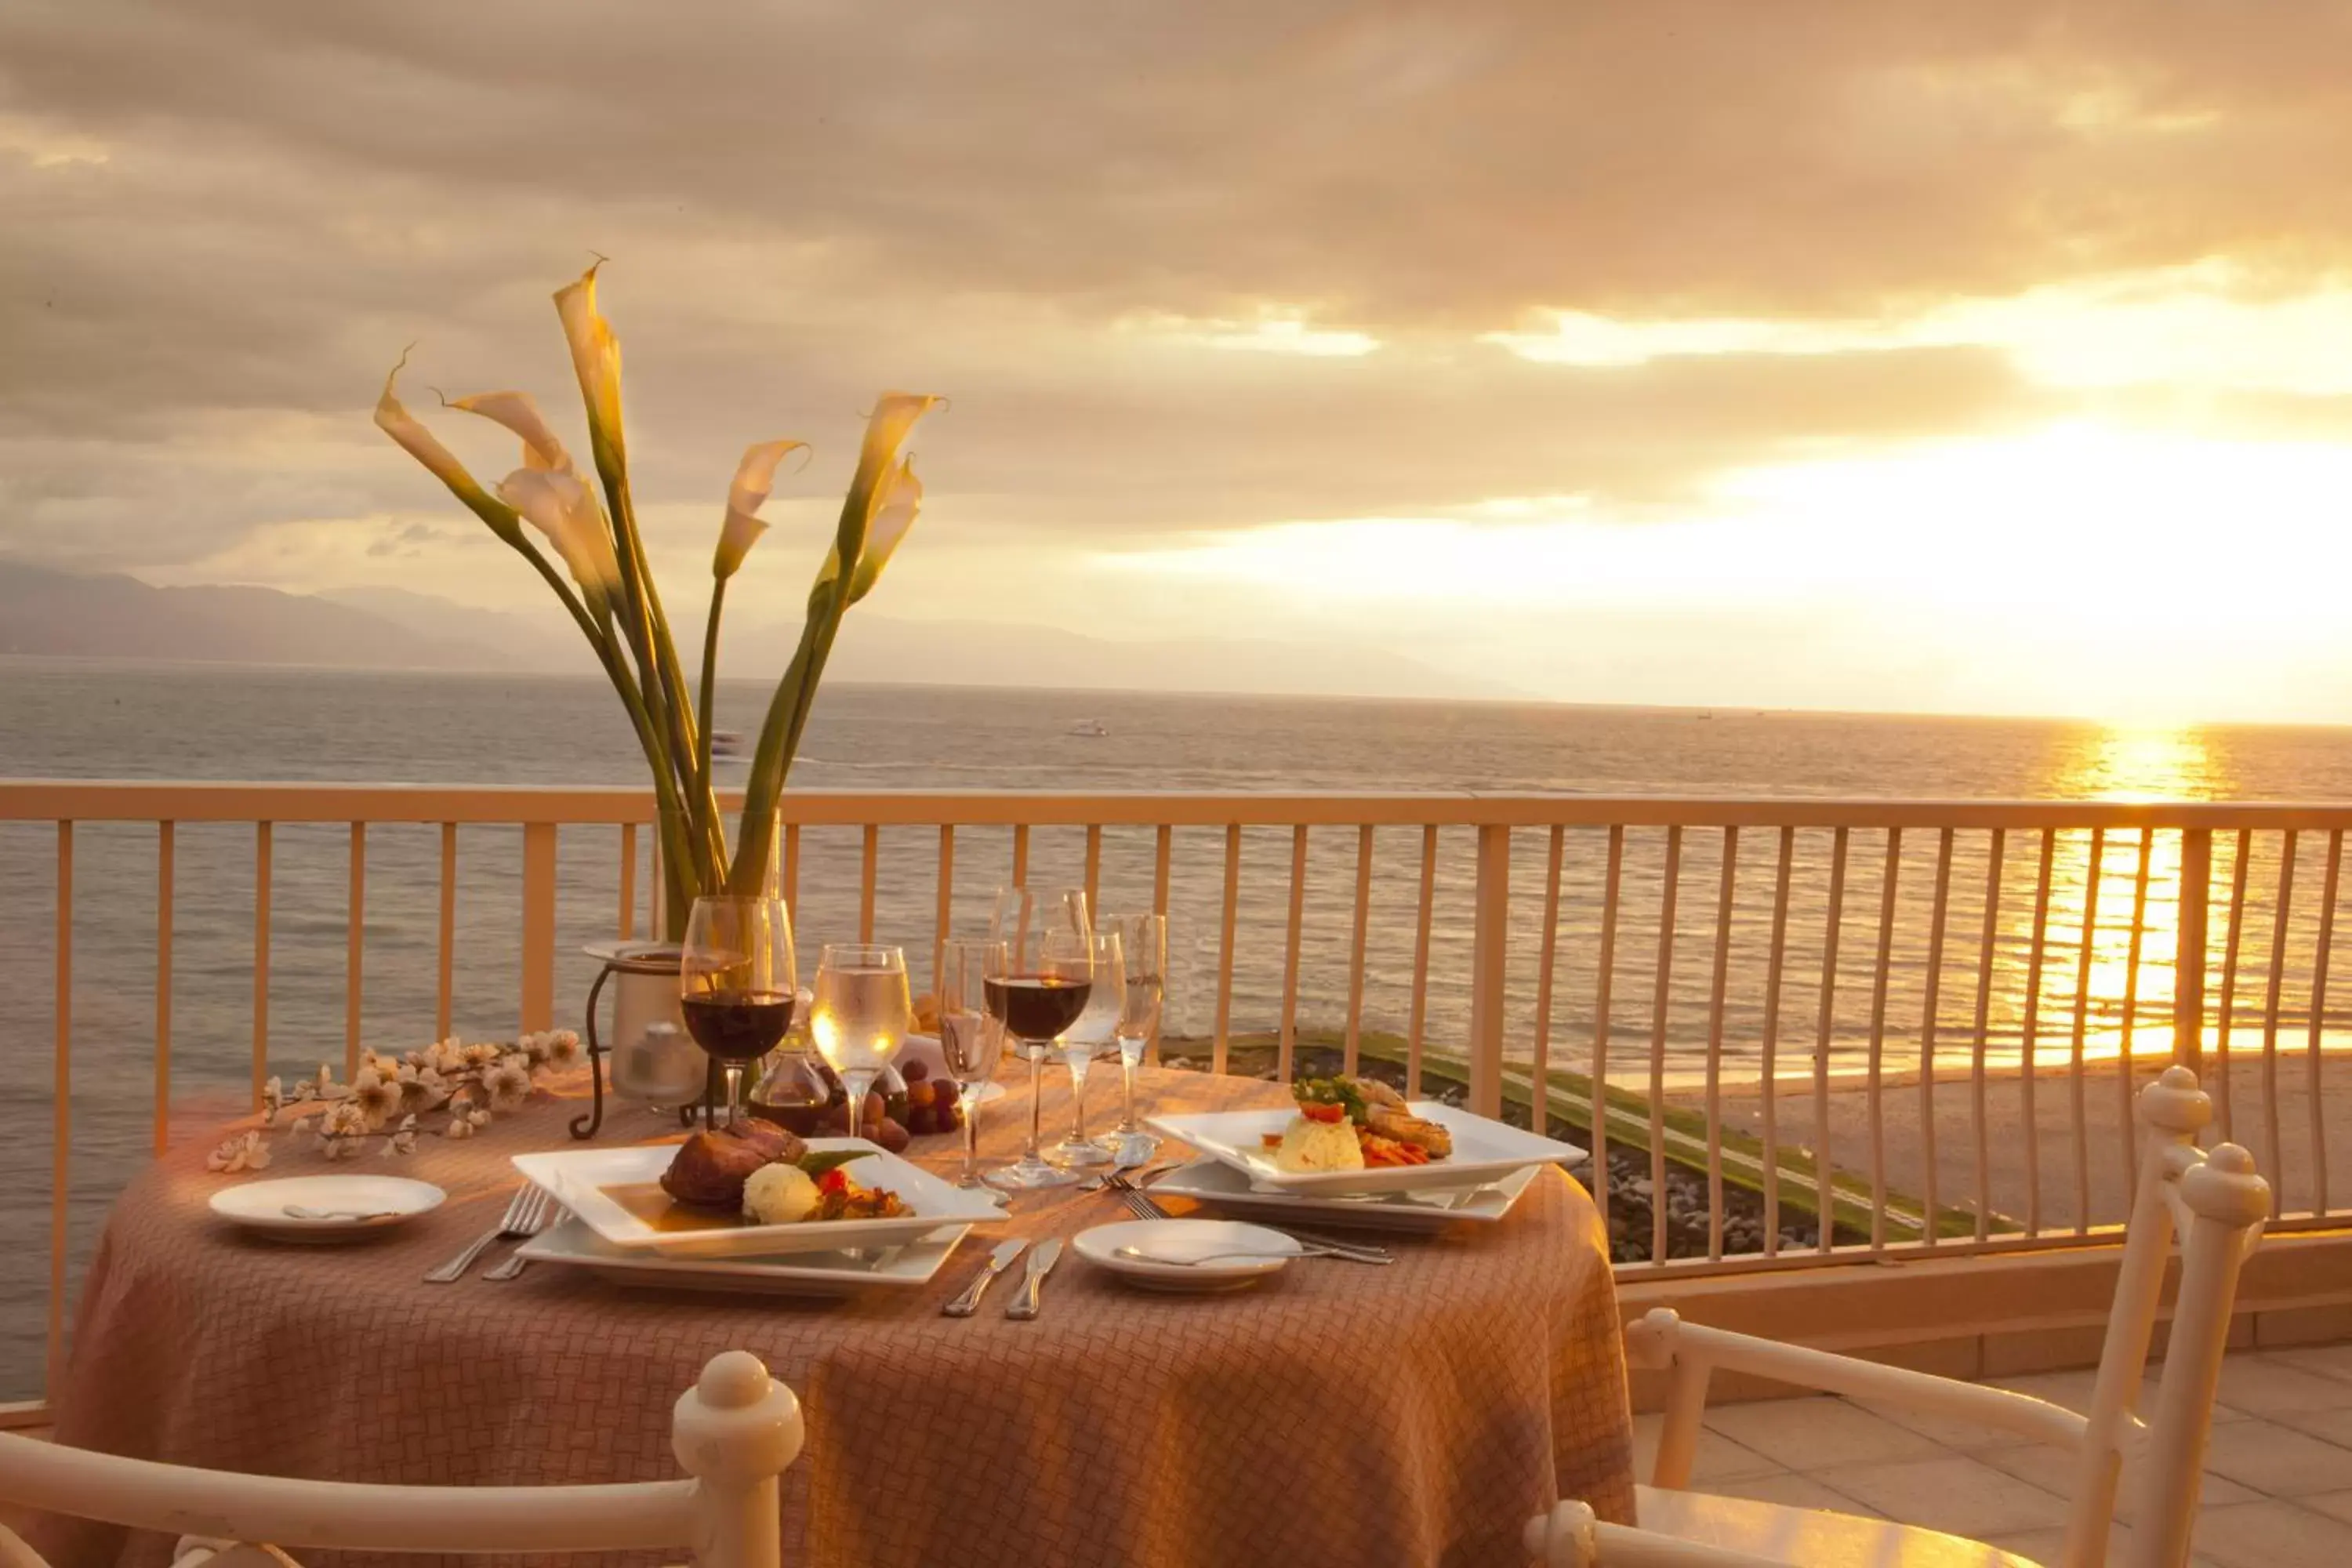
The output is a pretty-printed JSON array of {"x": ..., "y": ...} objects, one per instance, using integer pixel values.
[
  {"x": 583, "y": 1180},
  {"x": 572, "y": 1244},
  {"x": 1482, "y": 1150},
  {"x": 1212, "y": 1181}
]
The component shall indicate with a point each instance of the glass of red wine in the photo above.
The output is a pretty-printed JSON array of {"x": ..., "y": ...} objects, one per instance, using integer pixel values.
[
  {"x": 737, "y": 981},
  {"x": 1034, "y": 1001}
]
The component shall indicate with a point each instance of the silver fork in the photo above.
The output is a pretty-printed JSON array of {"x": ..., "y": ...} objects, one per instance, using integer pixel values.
[
  {"x": 455, "y": 1269},
  {"x": 1140, "y": 1203},
  {"x": 542, "y": 1214}
]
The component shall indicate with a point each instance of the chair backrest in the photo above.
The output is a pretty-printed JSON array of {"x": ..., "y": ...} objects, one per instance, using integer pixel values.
[
  {"x": 734, "y": 1432},
  {"x": 2213, "y": 1205}
]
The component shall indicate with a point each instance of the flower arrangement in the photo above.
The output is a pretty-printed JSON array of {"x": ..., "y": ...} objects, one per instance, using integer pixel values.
[
  {"x": 611, "y": 597},
  {"x": 389, "y": 1097}
]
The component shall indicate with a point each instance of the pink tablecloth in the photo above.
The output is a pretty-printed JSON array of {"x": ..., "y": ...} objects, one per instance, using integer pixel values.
[{"x": 1339, "y": 1413}]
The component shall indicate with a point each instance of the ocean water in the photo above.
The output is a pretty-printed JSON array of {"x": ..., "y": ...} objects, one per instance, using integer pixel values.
[{"x": 66, "y": 720}]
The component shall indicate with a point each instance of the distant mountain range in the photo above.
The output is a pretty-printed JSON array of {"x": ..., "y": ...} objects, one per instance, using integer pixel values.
[{"x": 44, "y": 611}]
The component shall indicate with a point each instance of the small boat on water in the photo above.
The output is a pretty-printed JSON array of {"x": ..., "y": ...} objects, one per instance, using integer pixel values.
[
  {"x": 1089, "y": 728},
  {"x": 726, "y": 745}
]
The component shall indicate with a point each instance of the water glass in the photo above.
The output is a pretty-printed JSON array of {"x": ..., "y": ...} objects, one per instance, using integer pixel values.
[
  {"x": 861, "y": 1016},
  {"x": 1143, "y": 944},
  {"x": 1092, "y": 1035},
  {"x": 970, "y": 1040}
]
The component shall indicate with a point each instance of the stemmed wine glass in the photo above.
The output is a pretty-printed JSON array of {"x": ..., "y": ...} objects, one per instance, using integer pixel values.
[
  {"x": 1034, "y": 1004},
  {"x": 970, "y": 1040},
  {"x": 861, "y": 1014},
  {"x": 1143, "y": 943},
  {"x": 1090, "y": 1035},
  {"x": 737, "y": 981}
]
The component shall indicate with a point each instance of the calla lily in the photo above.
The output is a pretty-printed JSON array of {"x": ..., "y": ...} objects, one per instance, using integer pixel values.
[
  {"x": 562, "y": 507},
  {"x": 595, "y": 358},
  {"x": 753, "y": 476},
  {"x": 893, "y": 516},
  {"x": 887, "y": 428},
  {"x": 519, "y": 412},
  {"x": 396, "y": 421}
]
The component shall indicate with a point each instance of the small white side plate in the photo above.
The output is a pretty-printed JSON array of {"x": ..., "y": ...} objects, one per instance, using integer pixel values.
[
  {"x": 1181, "y": 1238},
  {"x": 1484, "y": 1150},
  {"x": 580, "y": 1179},
  {"x": 572, "y": 1244},
  {"x": 1212, "y": 1181},
  {"x": 387, "y": 1201}
]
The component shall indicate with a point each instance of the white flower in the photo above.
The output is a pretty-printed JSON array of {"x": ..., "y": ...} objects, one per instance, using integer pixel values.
[
  {"x": 447, "y": 1055},
  {"x": 403, "y": 1139},
  {"x": 894, "y": 515},
  {"x": 384, "y": 1066},
  {"x": 375, "y": 1099},
  {"x": 325, "y": 1080},
  {"x": 478, "y": 1115},
  {"x": 482, "y": 1056},
  {"x": 595, "y": 360},
  {"x": 564, "y": 510},
  {"x": 307, "y": 1089},
  {"x": 519, "y": 412},
  {"x": 459, "y": 1127},
  {"x": 563, "y": 1048},
  {"x": 754, "y": 476},
  {"x": 509, "y": 1083},
  {"x": 244, "y": 1151}
]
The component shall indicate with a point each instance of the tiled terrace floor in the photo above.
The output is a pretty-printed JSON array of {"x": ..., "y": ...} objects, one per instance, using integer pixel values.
[{"x": 2278, "y": 1482}]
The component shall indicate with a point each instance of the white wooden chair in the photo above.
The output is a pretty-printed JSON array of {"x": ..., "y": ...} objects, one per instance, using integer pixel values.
[
  {"x": 734, "y": 1432},
  {"x": 2214, "y": 1204}
]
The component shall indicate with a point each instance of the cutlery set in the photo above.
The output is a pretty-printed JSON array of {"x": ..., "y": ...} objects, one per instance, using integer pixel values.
[{"x": 532, "y": 1210}]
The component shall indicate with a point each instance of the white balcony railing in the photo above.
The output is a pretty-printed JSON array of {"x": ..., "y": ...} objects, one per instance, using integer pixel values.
[{"x": 1924, "y": 1018}]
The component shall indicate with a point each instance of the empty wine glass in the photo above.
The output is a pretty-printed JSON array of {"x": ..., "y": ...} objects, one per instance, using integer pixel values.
[
  {"x": 1092, "y": 1034},
  {"x": 1023, "y": 915},
  {"x": 1143, "y": 944},
  {"x": 970, "y": 1040},
  {"x": 1033, "y": 1004},
  {"x": 736, "y": 981},
  {"x": 861, "y": 1015}
]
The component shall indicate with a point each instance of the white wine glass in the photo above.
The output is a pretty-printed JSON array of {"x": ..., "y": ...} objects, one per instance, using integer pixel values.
[
  {"x": 1143, "y": 945},
  {"x": 1092, "y": 1034},
  {"x": 1033, "y": 1004},
  {"x": 736, "y": 981},
  {"x": 971, "y": 1041},
  {"x": 861, "y": 1016}
]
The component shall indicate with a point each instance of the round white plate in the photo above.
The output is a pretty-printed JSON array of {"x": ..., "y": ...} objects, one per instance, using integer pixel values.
[
  {"x": 384, "y": 1201},
  {"x": 1183, "y": 1238}
]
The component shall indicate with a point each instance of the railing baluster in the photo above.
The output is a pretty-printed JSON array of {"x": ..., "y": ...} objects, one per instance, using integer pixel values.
[
  {"x": 2127, "y": 1122},
  {"x": 1490, "y": 968},
  {"x": 538, "y": 925},
  {"x": 1226, "y": 943},
  {"x": 627, "y": 923},
  {"x": 790, "y": 885},
  {"x": 449, "y": 927},
  {"x": 1162, "y": 860},
  {"x": 1356, "y": 948},
  {"x": 2274, "y": 1154},
  {"x": 1604, "y": 983},
  {"x": 1987, "y": 944},
  {"x": 354, "y": 939},
  {"x": 2082, "y": 1141},
  {"x": 1878, "y": 1041},
  {"x": 2195, "y": 892},
  {"x": 1658, "y": 1005},
  {"x": 1770, "y": 1063},
  {"x": 2326, "y": 944},
  {"x": 166, "y": 853},
  {"x": 61, "y": 1111},
  {"x": 1931, "y": 1000},
  {"x": 1421, "y": 962},
  {"x": 2030, "y": 1031},
  {"x": 1093, "y": 868},
  {"x": 1824, "y": 1176},
  {"x": 1020, "y": 862},
  {"x": 943, "y": 922},
  {"x": 1715, "y": 1046},
  {"x": 2230, "y": 950},
  {"x": 1288, "y": 1049},
  {"x": 260, "y": 959},
  {"x": 1540, "y": 1064},
  {"x": 869, "y": 866}
]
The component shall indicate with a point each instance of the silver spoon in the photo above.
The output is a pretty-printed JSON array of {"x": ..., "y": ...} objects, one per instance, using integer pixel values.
[
  {"x": 301, "y": 1210},
  {"x": 1137, "y": 1255}
]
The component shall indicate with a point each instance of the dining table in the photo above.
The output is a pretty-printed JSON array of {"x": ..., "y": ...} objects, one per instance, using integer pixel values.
[{"x": 1414, "y": 1413}]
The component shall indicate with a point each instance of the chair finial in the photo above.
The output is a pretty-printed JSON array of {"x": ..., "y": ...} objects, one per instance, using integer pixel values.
[
  {"x": 736, "y": 1424},
  {"x": 2225, "y": 1187},
  {"x": 2175, "y": 1103}
]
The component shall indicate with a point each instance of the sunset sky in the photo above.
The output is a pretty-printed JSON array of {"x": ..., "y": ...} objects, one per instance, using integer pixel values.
[{"x": 1973, "y": 357}]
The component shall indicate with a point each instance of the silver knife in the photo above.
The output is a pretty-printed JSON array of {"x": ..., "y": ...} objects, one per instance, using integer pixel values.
[
  {"x": 965, "y": 1305},
  {"x": 1041, "y": 1263}
]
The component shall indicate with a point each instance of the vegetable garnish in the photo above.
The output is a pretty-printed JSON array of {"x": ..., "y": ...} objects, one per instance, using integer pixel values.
[{"x": 1318, "y": 1092}]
